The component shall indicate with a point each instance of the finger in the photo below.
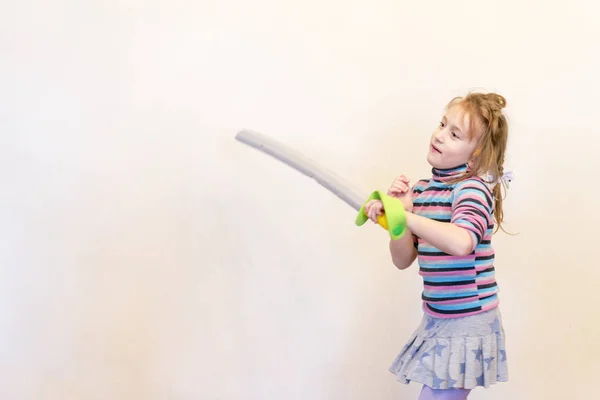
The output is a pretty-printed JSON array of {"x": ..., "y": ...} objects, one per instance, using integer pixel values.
[
  {"x": 369, "y": 206},
  {"x": 402, "y": 183},
  {"x": 400, "y": 189},
  {"x": 369, "y": 209},
  {"x": 377, "y": 213},
  {"x": 372, "y": 215},
  {"x": 374, "y": 210},
  {"x": 403, "y": 187},
  {"x": 406, "y": 185},
  {"x": 403, "y": 178}
]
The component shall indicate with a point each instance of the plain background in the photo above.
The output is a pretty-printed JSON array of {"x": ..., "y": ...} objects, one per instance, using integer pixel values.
[{"x": 145, "y": 254}]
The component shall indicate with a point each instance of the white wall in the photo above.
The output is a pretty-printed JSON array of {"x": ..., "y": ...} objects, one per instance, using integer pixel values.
[{"x": 147, "y": 255}]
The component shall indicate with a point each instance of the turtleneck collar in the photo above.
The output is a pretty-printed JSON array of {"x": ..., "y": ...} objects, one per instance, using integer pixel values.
[{"x": 449, "y": 174}]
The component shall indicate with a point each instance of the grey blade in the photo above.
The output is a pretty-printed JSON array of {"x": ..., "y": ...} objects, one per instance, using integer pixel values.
[{"x": 327, "y": 179}]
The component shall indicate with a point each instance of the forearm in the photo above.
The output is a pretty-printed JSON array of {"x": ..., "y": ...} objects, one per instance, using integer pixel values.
[
  {"x": 403, "y": 251},
  {"x": 446, "y": 236}
]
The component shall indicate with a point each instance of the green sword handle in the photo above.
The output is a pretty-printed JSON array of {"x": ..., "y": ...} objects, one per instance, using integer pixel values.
[{"x": 393, "y": 219}]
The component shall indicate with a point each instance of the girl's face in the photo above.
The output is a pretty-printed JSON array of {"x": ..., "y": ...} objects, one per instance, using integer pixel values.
[{"x": 451, "y": 143}]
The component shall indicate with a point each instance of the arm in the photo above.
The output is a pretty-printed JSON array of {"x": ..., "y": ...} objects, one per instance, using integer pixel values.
[
  {"x": 403, "y": 251},
  {"x": 446, "y": 236},
  {"x": 472, "y": 209}
]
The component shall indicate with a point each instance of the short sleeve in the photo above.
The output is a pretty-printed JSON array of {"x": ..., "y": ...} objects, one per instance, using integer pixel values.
[{"x": 472, "y": 208}]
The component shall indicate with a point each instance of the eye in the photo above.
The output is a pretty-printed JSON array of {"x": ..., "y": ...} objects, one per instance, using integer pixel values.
[
  {"x": 454, "y": 135},
  {"x": 442, "y": 124}
]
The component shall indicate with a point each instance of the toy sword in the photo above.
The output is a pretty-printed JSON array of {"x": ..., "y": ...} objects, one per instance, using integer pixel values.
[{"x": 393, "y": 218}]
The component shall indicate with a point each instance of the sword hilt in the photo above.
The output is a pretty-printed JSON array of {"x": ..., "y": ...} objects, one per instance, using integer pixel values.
[{"x": 393, "y": 218}]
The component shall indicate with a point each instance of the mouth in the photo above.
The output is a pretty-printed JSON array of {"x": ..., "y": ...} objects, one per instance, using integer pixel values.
[{"x": 435, "y": 149}]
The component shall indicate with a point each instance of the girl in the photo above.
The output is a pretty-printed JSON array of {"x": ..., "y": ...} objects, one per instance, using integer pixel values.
[{"x": 460, "y": 343}]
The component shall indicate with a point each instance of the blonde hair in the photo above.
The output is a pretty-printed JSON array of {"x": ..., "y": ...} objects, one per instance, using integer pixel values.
[{"x": 486, "y": 117}]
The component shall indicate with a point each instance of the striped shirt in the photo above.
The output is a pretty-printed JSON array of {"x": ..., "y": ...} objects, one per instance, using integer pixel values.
[{"x": 457, "y": 286}]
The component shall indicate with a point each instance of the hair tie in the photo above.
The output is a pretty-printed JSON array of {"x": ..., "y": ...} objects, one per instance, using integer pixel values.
[{"x": 507, "y": 178}]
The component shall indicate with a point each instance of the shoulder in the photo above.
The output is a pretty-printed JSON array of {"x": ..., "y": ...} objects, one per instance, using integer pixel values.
[
  {"x": 474, "y": 187},
  {"x": 474, "y": 182}
]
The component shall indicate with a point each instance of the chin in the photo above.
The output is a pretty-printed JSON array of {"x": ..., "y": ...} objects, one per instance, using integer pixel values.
[{"x": 433, "y": 163}]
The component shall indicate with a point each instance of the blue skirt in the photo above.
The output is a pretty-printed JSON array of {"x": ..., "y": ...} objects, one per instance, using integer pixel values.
[{"x": 463, "y": 352}]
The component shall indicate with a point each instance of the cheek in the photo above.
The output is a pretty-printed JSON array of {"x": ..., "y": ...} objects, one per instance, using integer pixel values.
[
  {"x": 461, "y": 153},
  {"x": 472, "y": 147}
]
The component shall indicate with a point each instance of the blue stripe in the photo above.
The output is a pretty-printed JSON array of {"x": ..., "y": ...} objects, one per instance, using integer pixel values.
[
  {"x": 451, "y": 307},
  {"x": 488, "y": 290},
  {"x": 450, "y": 264},
  {"x": 436, "y": 295},
  {"x": 451, "y": 278},
  {"x": 430, "y": 197},
  {"x": 489, "y": 299}
]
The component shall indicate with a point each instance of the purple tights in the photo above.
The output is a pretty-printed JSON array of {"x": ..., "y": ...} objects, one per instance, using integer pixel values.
[{"x": 428, "y": 393}]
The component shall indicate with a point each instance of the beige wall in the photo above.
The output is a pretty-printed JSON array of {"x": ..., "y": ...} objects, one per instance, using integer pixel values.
[{"x": 147, "y": 255}]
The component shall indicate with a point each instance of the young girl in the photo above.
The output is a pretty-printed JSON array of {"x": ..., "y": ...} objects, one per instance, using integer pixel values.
[{"x": 460, "y": 342}]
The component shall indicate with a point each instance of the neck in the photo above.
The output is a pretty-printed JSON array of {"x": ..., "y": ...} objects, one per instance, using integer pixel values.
[{"x": 449, "y": 174}]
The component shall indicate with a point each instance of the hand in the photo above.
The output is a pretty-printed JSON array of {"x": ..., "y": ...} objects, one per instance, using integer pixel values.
[
  {"x": 373, "y": 208},
  {"x": 400, "y": 189},
  {"x": 400, "y": 186}
]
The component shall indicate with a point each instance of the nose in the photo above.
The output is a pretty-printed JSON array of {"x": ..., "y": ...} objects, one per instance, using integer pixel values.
[{"x": 438, "y": 135}]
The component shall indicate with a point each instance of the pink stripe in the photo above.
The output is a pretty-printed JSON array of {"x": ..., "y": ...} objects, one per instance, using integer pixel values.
[
  {"x": 491, "y": 305},
  {"x": 448, "y": 273},
  {"x": 471, "y": 196},
  {"x": 443, "y": 209},
  {"x": 433, "y": 293},
  {"x": 445, "y": 258},
  {"x": 470, "y": 223},
  {"x": 438, "y": 210},
  {"x": 459, "y": 301}
]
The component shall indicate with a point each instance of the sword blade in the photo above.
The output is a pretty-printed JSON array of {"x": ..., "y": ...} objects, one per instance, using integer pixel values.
[{"x": 306, "y": 166}]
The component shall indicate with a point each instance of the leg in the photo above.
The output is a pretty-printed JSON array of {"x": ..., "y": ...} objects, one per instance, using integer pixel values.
[{"x": 428, "y": 393}]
